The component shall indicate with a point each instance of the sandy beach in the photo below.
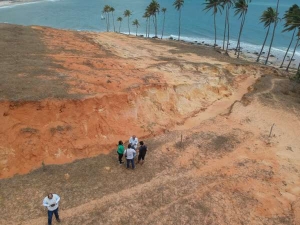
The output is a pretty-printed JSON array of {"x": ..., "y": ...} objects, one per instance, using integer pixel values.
[{"x": 251, "y": 56}]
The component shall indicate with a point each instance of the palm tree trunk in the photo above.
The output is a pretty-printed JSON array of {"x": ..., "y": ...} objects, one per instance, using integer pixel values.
[
  {"x": 237, "y": 44},
  {"x": 298, "y": 73},
  {"x": 287, "y": 68},
  {"x": 274, "y": 29},
  {"x": 149, "y": 27},
  {"x": 108, "y": 23},
  {"x": 146, "y": 27},
  {"x": 113, "y": 22},
  {"x": 162, "y": 33},
  {"x": 128, "y": 26},
  {"x": 273, "y": 34},
  {"x": 155, "y": 24},
  {"x": 106, "y": 20},
  {"x": 225, "y": 27},
  {"x": 215, "y": 26},
  {"x": 288, "y": 48},
  {"x": 262, "y": 48},
  {"x": 179, "y": 24},
  {"x": 136, "y": 32},
  {"x": 120, "y": 27},
  {"x": 238, "y": 48}
]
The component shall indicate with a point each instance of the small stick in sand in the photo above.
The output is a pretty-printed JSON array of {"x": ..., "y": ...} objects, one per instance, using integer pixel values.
[{"x": 271, "y": 130}]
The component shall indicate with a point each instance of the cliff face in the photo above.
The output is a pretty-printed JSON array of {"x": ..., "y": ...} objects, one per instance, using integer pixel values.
[{"x": 67, "y": 95}]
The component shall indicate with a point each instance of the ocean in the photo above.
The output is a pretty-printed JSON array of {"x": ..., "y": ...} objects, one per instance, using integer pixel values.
[{"x": 196, "y": 24}]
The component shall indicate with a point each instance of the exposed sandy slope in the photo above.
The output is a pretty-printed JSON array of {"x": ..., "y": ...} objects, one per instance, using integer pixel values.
[
  {"x": 226, "y": 169},
  {"x": 68, "y": 95}
]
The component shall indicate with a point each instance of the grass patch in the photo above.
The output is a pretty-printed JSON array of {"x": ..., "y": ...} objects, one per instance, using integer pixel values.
[
  {"x": 181, "y": 144},
  {"x": 60, "y": 129},
  {"x": 29, "y": 130}
]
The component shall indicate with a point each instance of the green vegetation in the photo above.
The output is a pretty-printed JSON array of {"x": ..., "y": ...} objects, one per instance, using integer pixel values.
[
  {"x": 120, "y": 21},
  {"x": 29, "y": 130},
  {"x": 273, "y": 34},
  {"x": 127, "y": 13},
  {"x": 60, "y": 129},
  {"x": 216, "y": 7},
  {"x": 241, "y": 9},
  {"x": 136, "y": 24},
  {"x": 268, "y": 17},
  {"x": 287, "y": 17},
  {"x": 163, "y": 27},
  {"x": 178, "y": 4}
]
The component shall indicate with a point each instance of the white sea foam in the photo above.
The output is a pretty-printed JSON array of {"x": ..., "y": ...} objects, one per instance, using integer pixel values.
[{"x": 12, "y": 4}]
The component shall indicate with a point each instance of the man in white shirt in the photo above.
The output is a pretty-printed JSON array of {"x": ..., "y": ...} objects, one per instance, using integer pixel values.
[
  {"x": 51, "y": 202},
  {"x": 130, "y": 153},
  {"x": 134, "y": 142}
]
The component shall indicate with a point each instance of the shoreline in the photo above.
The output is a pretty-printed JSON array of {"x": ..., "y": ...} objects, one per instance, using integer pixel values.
[
  {"x": 7, "y": 3},
  {"x": 275, "y": 59},
  {"x": 251, "y": 56}
]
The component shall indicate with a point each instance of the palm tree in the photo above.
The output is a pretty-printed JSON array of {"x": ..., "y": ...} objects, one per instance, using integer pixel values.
[
  {"x": 147, "y": 16},
  {"x": 268, "y": 17},
  {"x": 298, "y": 73},
  {"x": 149, "y": 13},
  {"x": 225, "y": 29},
  {"x": 106, "y": 10},
  {"x": 120, "y": 20},
  {"x": 241, "y": 8},
  {"x": 178, "y": 4},
  {"x": 273, "y": 34},
  {"x": 228, "y": 4},
  {"x": 296, "y": 45},
  {"x": 127, "y": 13},
  {"x": 136, "y": 23},
  {"x": 287, "y": 16},
  {"x": 153, "y": 10},
  {"x": 112, "y": 9},
  {"x": 164, "y": 11},
  {"x": 294, "y": 23},
  {"x": 215, "y": 6}
]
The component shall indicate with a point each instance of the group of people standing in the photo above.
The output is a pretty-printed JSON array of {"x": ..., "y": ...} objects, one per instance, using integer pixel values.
[
  {"x": 130, "y": 152},
  {"x": 51, "y": 201}
]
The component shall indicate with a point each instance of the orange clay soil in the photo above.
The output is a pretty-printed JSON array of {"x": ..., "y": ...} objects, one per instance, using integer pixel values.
[
  {"x": 109, "y": 86},
  {"x": 67, "y": 95},
  {"x": 103, "y": 88}
]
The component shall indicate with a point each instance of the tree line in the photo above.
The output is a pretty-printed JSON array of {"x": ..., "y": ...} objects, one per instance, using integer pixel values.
[{"x": 270, "y": 19}]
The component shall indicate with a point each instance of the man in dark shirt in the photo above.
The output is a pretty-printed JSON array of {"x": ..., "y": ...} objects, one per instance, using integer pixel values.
[{"x": 142, "y": 152}]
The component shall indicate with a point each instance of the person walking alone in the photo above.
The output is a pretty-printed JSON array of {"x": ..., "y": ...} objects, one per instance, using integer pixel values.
[
  {"x": 130, "y": 153},
  {"x": 142, "y": 152},
  {"x": 120, "y": 151},
  {"x": 51, "y": 202}
]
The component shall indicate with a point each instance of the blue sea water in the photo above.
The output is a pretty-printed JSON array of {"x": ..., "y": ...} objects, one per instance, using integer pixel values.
[{"x": 196, "y": 24}]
